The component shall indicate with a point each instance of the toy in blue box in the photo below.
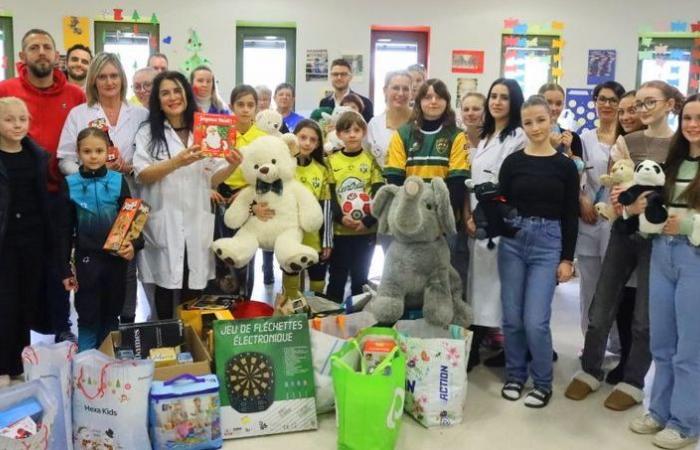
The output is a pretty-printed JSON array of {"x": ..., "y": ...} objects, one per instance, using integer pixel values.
[{"x": 184, "y": 413}]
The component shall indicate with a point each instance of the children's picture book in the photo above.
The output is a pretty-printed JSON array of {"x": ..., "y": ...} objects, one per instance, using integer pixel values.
[{"x": 215, "y": 133}]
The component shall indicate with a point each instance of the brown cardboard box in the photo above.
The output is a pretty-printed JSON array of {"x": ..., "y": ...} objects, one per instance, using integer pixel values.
[{"x": 202, "y": 359}]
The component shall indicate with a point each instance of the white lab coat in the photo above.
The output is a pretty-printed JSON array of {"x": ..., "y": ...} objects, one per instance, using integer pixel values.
[
  {"x": 378, "y": 138},
  {"x": 180, "y": 217},
  {"x": 122, "y": 134},
  {"x": 484, "y": 283},
  {"x": 593, "y": 239}
]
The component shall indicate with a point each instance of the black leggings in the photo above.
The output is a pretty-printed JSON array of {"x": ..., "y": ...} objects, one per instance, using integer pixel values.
[{"x": 165, "y": 298}]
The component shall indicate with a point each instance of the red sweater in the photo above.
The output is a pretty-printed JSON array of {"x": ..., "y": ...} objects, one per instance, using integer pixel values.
[{"x": 48, "y": 109}]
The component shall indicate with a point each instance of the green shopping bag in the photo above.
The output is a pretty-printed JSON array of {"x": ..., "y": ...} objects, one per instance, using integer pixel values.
[{"x": 369, "y": 406}]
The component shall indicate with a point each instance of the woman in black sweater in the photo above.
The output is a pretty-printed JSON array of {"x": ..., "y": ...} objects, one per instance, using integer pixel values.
[{"x": 543, "y": 185}]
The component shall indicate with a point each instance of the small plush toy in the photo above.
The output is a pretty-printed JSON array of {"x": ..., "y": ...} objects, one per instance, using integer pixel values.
[
  {"x": 648, "y": 176},
  {"x": 621, "y": 174},
  {"x": 417, "y": 271},
  {"x": 269, "y": 164},
  {"x": 332, "y": 143},
  {"x": 269, "y": 121},
  {"x": 491, "y": 212}
]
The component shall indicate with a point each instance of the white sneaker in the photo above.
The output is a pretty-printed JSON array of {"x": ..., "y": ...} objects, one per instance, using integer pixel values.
[
  {"x": 672, "y": 439},
  {"x": 645, "y": 425}
]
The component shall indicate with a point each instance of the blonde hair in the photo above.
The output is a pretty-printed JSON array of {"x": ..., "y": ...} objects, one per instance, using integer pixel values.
[
  {"x": 6, "y": 102},
  {"x": 96, "y": 66}
]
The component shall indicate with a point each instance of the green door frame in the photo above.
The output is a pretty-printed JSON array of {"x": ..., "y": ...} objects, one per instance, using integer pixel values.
[
  {"x": 8, "y": 38},
  {"x": 287, "y": 31},
  {"x": 102, "y": 27}
]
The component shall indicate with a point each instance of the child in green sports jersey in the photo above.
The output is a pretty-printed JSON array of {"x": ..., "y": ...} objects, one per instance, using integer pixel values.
[{"x": 352, "y": 171}]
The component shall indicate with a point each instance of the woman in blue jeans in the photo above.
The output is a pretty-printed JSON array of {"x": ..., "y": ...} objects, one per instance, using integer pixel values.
[
  {"x": 674, "y": 303},
  {"x": 543, "y": 185}
]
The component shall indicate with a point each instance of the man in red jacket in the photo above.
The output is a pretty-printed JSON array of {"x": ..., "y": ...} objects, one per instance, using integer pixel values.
[{"x": 49, "y": 98}]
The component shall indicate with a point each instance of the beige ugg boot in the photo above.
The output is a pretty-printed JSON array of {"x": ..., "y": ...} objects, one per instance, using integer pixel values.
[
  {"x": 581, "y": 386},
  {"x": 624, "y": 397}
]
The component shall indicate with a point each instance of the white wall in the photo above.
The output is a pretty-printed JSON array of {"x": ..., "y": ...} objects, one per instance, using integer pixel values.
[{"x": 344, "y": 27}]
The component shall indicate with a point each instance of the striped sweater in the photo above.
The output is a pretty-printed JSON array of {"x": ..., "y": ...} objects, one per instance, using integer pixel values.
[{"x": 678, "y": 206}]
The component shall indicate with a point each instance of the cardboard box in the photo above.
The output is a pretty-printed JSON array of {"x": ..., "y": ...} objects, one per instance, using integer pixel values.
[
  {"x": 202, "y": 359},
  {"x": 267, "y": 377}
]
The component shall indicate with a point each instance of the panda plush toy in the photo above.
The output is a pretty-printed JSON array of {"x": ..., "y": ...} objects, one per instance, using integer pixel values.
[{"x": 648, "y": 176}]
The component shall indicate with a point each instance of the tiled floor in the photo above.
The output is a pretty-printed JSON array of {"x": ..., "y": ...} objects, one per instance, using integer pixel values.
[{"x": 491, "y": 422}]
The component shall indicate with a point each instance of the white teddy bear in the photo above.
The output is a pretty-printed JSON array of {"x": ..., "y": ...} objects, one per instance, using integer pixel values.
[
  {"x": 333, "y": 143},
  {"x": 268, "y": 166},
  {"x": 269, "y": 121}
]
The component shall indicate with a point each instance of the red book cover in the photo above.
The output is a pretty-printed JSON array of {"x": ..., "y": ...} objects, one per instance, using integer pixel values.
[{"x": 215, "y": 133}]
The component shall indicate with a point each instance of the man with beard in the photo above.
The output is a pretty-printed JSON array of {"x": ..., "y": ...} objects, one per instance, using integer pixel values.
[
  {"x": 78, "y": 60},
  {"x": 341, "y": 76},
  {"x": 49, "y": 97}
]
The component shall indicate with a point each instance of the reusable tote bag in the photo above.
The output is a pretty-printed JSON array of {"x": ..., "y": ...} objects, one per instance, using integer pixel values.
[
  {"x": 369, "y": 406},
  {"x": 436, "y": 372},
  {"x": 53, "y": 363},
  {"x": 110, "y": 402},
  {"x": 47, "y": 394},
  {"x": 328, "y": 335}
]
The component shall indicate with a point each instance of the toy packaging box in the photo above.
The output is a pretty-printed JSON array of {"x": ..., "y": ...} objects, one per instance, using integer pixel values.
[
  {"x": 185, "y": 414},
  {"x": 142, "y": 337},
  {"x": 128, "y": 225},
  {"x": 266, "y": 374},
  {"x": 215, "y": 133}
]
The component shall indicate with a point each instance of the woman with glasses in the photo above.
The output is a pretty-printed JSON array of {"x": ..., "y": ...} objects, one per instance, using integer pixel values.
[
  {"x": 141, "y": 84},
  {"x": 107, "y": 109},
  {"x": 655, "y": 100},
  {"x": 594, "y": 231},
  {"x": 397, "y": 93}
]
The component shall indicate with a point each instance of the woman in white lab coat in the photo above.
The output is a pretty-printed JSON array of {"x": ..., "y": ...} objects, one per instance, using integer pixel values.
[
  {"x": 106, "y": 108},
  {"x": 501, "y": 135},
  {"x": 175, "y": 179},
  {"x": 594, "y": 231}
]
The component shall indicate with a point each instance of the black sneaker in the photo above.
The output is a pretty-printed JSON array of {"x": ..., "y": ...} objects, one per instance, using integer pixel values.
[
  {"x": 538, "y": 398},
  {"x": 512, "y": 390},
  {"x": 66, "y": 336}
]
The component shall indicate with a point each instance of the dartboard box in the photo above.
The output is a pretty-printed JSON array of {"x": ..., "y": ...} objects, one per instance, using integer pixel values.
[{"x": 266, "y": 376}]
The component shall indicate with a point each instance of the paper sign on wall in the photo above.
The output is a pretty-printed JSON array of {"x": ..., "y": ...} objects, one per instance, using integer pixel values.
[
  {"x": 580, "y": 102},
  {"x": 601, "y": 66},
  {"x": 317, "y": 65},
  {"x": 467, "y": 61},
  {"x": 76, "y": 30}
]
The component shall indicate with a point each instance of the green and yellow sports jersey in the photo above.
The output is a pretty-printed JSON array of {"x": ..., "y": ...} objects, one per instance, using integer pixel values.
[
  {"x": 443, "y": 154},
  {"x": 236, "y": 180},
  {"x": 315, "y": 177},
  {"x": 356, "y": 172}
]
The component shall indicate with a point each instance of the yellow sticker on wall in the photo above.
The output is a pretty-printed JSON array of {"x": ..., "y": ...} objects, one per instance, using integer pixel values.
[{"x": 76, "y": 30}]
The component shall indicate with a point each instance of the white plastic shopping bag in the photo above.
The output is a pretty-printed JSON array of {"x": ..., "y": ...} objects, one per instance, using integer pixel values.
[
  {"x": 328, "y": 334},
  {"x": 436, "y": 372},
  {"x": 53, "y": 363},
  {"x": 110, "y": 402},
  {"x": 47, "y": 395}
]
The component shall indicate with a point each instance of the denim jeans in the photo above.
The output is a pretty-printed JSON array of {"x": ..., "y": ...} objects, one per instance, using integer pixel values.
[
  {"x": 527, "y": 265},
  {"x": 623, "y": 255},
  {"x": 674, "y": 315}
]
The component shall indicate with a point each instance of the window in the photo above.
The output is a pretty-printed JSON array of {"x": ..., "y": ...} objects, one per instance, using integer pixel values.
[
  {"x": 265, "y": 55},
  {"x": 394, "y": 48},
  {"x": 134, "y": 42},
  {"x": 671, "y": 57},
  {"x": 6, "y": 48},
  {"x": 531, "y": 60}
]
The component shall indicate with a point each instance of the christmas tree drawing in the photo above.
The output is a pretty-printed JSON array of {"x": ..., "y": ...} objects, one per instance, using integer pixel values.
[{"x": 194, "y": 45}]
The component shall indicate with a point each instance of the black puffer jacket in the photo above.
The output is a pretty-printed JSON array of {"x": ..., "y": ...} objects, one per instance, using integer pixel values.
[{"x": 41, "y": 159}]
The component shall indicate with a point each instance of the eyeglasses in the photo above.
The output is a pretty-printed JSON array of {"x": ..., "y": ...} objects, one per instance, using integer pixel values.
[
  {"x": 648, "y": 103},
  {"x": 612, "y": 101},
  {"x": 142, "y": 87},
  {"x": 108, "y": 76}
]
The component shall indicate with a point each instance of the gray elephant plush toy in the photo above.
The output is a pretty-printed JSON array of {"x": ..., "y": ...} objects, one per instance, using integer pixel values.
[{"x": 417, "y": 270}]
